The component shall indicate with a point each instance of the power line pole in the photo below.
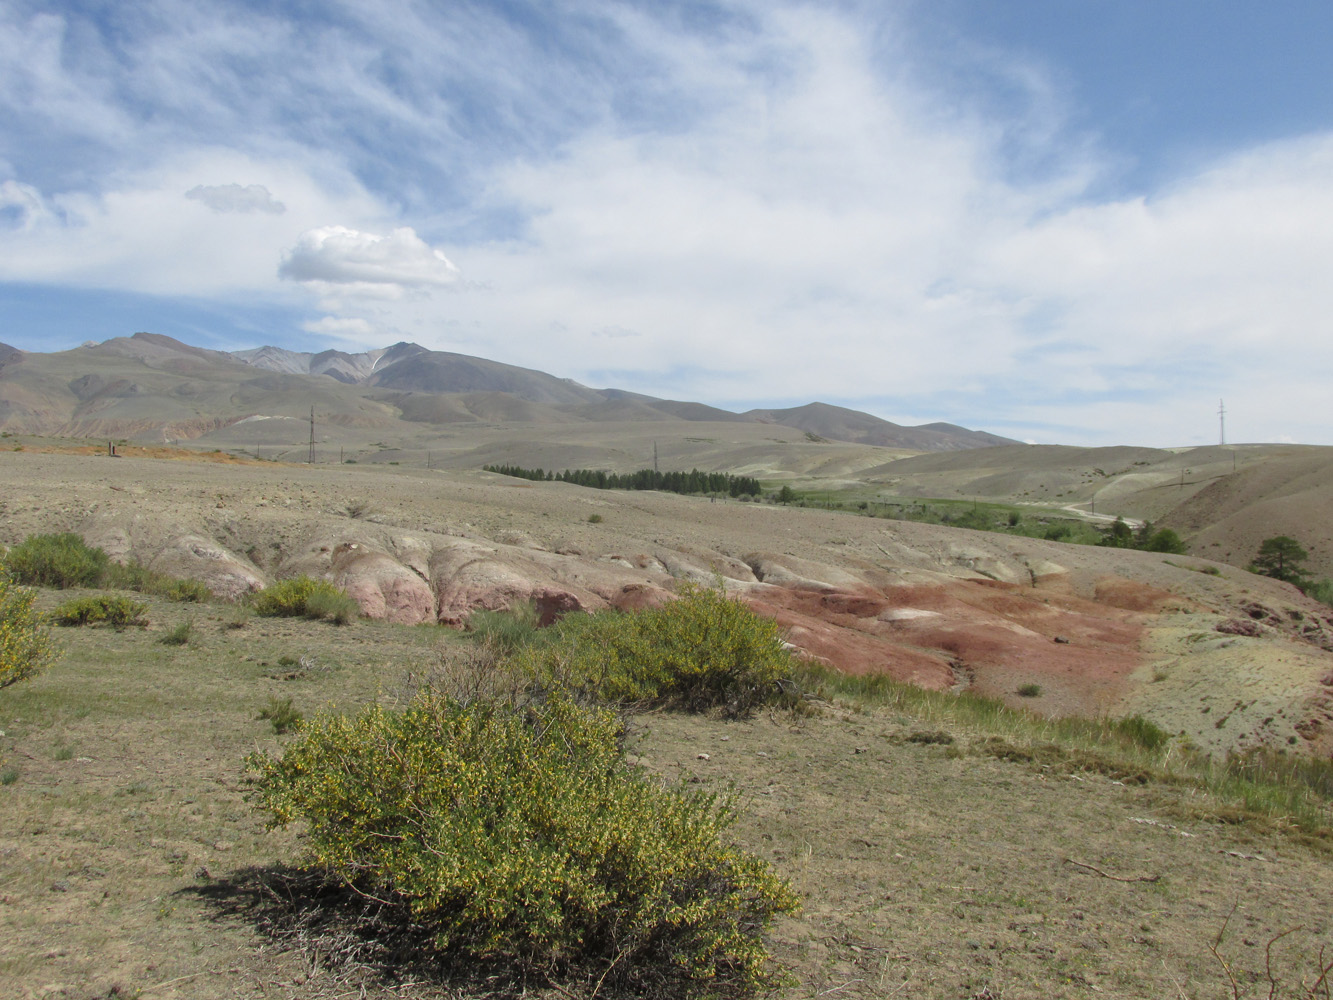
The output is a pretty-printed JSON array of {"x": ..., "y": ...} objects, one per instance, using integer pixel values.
[
  {"x": 310, "y": 459},
  {"x": 1221, "y": 423}
]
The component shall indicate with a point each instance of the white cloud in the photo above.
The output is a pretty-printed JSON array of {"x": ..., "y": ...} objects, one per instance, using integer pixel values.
[
  {"x": 137, "y": 235},
  {"x": 21, "y": 206},
  {"x": 359, "y": 262},
  {"x": 236, "y": 198}
]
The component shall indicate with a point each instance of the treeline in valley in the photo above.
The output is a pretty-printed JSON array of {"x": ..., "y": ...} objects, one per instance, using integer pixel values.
[{"x": 693, "y": 481}]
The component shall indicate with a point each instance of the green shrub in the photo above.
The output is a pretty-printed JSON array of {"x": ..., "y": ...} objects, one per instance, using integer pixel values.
[
  {"x": 701, "y": 650},
  {"x": 594, "y": 518},
  {"x": 25, "y": 641},
  {"x": 525, "y": 838},
  {"x": 60, "y": 561},
  {"x": 302, "y": 597},
  {"x": 102, "y": 609},
  {"x": 1029, "y": 691}
]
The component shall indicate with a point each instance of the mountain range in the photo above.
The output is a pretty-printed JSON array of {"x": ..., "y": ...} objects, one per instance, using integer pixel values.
[{"x": 150, "y": 387}]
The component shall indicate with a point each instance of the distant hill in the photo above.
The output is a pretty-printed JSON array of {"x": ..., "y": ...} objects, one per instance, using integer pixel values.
[
  {"x": 837, "y": 423},
  {"x": 150, "y": 386}
]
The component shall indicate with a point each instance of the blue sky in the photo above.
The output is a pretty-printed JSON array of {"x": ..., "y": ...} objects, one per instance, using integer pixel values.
[{"x": 1074, "y": 221}]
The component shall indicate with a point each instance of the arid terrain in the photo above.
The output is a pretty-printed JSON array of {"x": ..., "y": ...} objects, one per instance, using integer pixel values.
[{"x": 935, "y": 857}]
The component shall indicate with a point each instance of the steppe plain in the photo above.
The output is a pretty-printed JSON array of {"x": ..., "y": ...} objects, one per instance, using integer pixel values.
[{"x": 131, "y": 863}]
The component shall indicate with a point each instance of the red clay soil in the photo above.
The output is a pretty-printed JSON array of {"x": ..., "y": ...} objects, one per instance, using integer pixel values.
[{"x": 992, "y": 638}]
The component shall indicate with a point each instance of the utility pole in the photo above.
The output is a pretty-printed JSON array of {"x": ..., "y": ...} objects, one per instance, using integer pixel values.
[
  {"x": 310, "y": 459},
  {"x": 654, "y": 456},
  {"x": 1221, "y": 423}
]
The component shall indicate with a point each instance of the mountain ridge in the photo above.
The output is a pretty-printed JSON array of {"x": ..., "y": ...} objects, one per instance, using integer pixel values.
[{"x": 150, "y": 384}]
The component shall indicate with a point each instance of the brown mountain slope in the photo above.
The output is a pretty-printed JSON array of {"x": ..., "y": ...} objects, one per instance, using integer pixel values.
[
  {"x": 840, "y": 424},
  {"x": 150, "y": 387}
]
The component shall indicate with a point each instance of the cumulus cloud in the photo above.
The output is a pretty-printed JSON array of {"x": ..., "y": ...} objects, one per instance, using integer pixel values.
[
  {"x": 365, "y": 262},
  {"x": 236, "y": 198}
]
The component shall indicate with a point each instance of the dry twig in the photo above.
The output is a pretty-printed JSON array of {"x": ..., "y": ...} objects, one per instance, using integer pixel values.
[{"x": 1114, "y": 878}]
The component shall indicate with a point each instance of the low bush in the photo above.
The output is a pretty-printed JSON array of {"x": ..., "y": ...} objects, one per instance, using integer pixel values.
[
  {"x": 61, "y": 561},
  {"x": 25, "y": 641},
  {"x": 178, "y": 636},
  {"x": 525, "y": 838},
  {"x": 702, "y": 650},
  {"x": 1029, "y": 691},
  {"x": 103, "y": 609},
  {"x": 302, "y": 597}
]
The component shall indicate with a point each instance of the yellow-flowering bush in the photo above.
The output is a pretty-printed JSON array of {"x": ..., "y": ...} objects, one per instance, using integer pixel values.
[
  {"x": 25, "y": 641},
  {"x": 701, "y": 650},
  {"x": 524, "y": 836}
]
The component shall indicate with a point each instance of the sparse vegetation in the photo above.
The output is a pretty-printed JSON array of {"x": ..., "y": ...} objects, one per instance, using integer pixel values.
[
  {"x": 523, "y": 838},
  {"x": 1029, "y": 691}
]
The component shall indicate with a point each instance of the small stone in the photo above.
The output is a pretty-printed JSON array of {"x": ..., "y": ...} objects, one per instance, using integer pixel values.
[
  {"x": 704, "y": 756},
  {"x": 1062, "y": 639}
]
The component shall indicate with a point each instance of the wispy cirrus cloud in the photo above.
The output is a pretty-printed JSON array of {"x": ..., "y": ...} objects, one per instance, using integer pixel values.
[{"x": 236, "y": 198}]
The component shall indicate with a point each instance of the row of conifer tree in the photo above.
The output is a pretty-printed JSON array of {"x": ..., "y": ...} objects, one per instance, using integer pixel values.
[{"x": 693, "y": 481}]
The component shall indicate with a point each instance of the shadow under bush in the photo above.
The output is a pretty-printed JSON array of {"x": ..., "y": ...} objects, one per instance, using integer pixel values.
[{"x": 522, "y": 836}]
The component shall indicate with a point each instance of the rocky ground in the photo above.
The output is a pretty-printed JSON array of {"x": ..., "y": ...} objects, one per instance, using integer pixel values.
[{"x": 1229, "y": 658}]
